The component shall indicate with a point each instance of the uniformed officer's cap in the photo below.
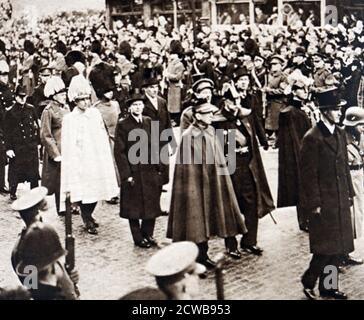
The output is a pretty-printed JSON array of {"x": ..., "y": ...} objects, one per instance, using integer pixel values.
[
  {"x": 354, "y": 116},
  {"x": 4, "y": 68},
  {"x": 30, "y": 199},
  {"x": 276, "y": 59},
  {"x": 46, "y": 70},
  {"x": 172, "y": 263},
  {"x": 202, "y": 84},
  {"x": 20, "y": 91},
  {"x": 318, "y": 56}
]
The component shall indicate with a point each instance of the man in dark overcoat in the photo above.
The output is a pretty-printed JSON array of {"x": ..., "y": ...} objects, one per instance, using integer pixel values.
[
  {"x": 140, "y": 182},
  {"x": 293, "y": 125},
  {"x": 155, "y": 107},
  {"x": 326, "y": 192},
  {"x": 249, "y": 179},
  {"x": 21, "y": 141}
]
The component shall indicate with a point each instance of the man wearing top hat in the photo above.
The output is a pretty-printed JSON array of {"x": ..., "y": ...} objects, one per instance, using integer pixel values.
[
  {"x": 22, "y": 139},
  {"x": 326, "y": 192},
  {"x": 6, "y": 101},
  {"x": 141, "y": 183},
  {"x": 155, "y": 107}
]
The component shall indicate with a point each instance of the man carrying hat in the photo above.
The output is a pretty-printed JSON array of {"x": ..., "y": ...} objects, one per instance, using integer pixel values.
[
  {"x": 326, "y": 192},
  {"x": 6, "y": 101},
  {"x": 22, "y": 139},
  {"x": 249, "y": 178},
  {"x": 176, "y": 273},
  {"x": 141, "y": 182}
]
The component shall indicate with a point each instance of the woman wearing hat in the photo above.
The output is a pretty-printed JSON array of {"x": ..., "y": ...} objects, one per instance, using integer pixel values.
[
  {"x": 140, "y": 182},
  {"x": 50, "y": 135},
  {"x": 354, "y": 129},
  {"x": 87, "y": 169}
]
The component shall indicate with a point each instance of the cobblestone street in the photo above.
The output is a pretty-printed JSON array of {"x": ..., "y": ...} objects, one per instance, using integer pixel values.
[{"x": 110, "y": 265}]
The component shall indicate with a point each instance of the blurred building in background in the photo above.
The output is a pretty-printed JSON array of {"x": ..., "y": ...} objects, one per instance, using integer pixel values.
[{"x": 229, "y": 12}]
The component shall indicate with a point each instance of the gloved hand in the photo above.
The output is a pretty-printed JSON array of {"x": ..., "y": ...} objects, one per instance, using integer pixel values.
[
  {"x": 58, "y": 159},
  {"x": 10, "y": 154}
]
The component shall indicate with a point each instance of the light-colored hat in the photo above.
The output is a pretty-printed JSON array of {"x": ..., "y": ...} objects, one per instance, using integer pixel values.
[
  {"x": 53, "y": 86},
  {"x": 354, "y": 116},
  {"x": 4, "y": 67},
  {"x": 174, "y": 261},
  {"x": 79, "y": 88},
  {"x": 30, "y": 199}
]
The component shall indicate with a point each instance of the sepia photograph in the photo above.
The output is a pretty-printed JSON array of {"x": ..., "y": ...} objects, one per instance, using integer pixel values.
[{"x": 207, "y": 151}]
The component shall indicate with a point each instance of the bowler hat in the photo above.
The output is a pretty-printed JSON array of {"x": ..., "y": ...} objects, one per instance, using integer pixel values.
[
  {"x": 329, "y": 99},
  {"x": 135, "y": 97}
]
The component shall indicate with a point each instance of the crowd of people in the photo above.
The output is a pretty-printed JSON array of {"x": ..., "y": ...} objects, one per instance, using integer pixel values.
[{"x": 73, "y": 94}]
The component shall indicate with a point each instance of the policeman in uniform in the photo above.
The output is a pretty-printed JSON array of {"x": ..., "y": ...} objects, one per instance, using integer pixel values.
[
  {"x": 28, "y": 207},
  {"x": 176, "y": 272},
  {"x": 21, "y": 142},
  {"x": 41, "y": 247},
  {"x": 6, "y": 101}
]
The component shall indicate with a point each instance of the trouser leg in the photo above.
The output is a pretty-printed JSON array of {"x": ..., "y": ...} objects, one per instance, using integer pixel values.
[
  {"x": 135, "y": 230},
  {"x": 57, "y": 198},
  {"x": 231, "y": 244},
  {"x": 147, "y": 228},
  {"x": 86, "y": 212},
  {"x": 203, "y": 248},
  {"x": 315, "y": 270},
  {"x": 329, "y": 277},
  {"x": 13, "y": 189},
  {"x": 34, "y": 184}
]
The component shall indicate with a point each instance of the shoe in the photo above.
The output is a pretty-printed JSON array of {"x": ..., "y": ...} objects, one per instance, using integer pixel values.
[
  {"x": 13, "y": 197},
  {"x": 208, "y": 263},
  {"x": 164, "y": 213},
  {"x": 351, "y": 261},
  {"x": 304, "y": 229},
  {"x": 152, "y": 241},
  {"x": 143, "y": 244},
  {"x": 235, "y": 254},
  {"x": 252, "y": 250},
  {"x": 336, "y": 294},
  {"x": 310, "y": 294},
  {"x": 61, "y": 214},
  {"x": 94, "y": 223},
  {"x": 91, "y": 230},
  {"x": 4, "y": 190}
]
